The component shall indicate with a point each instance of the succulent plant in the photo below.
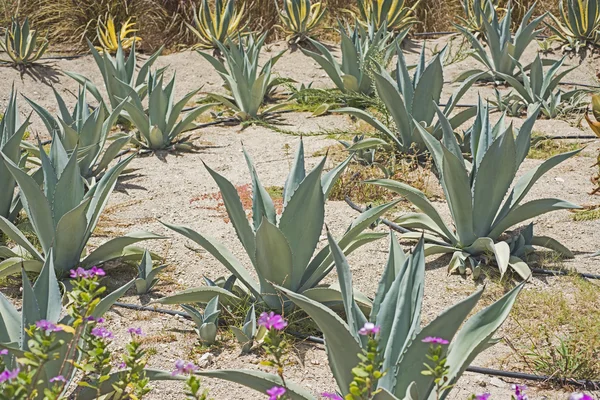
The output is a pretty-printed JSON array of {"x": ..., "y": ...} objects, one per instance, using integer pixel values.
[
  {"x": 159, "y": 127},
  {"x": 119, "y": 75},
  {"x": 22, "y": 44},
  {"x": 300, "y": 18},
  {"x": 108, "y": 38},
  {"x": 63, "y": 217},
  {"x": 147, "y": 274},
  {"x": 413, "y": 101},
  {"x": 250, "y": 332},
  {"x": 476, "y": 192},
  {"x": 86, "y": 130},
  {"x": 505, "y": 49},
  {"x": 240, "y": 71},
  {"x": 579, "y": 25},
  {"x": 280, "y": 248},
  {"x": 396, "y": 309},
  {"x": 206, "y": 324},
  {"x": 219, "y": 25},
  {"x": 395, "y": 15},
  {"x": 361, "y": 49},
  {"x": 475, "y": 12}
]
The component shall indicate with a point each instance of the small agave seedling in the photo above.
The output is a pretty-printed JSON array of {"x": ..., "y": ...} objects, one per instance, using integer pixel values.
[
  {"x": 250, "y": 332},
  {"x": 248, "y": 84},
  {"x": 206, "y": 324},
  {"x": 396, "y": 309},
  {"x": 578, "y": 26},
  {"x": 63, "y": 216},
  {"x": 218, "y": 26},
  {"x": 281, "y": 248},
  {"x": 160, "y": 127},
  {"x": 393, "y": 14},
  {"x": 409, "y": 101},
  {"x": 505, "y": 49},
  {"x": 119, "y": 75},
  {"x": 107, "y": 35},
  {"x": 300, "y": 19},
  {"x": 147, "y": 274},
  {"x": 22, "y": 44},
  {"x": 361, "y": 50},
  {"x": 11, "y": 134},
  {"x": 476, "y": 193},
  {"x": 475, "y": 12},
  {"x": 88, "y": 131}
]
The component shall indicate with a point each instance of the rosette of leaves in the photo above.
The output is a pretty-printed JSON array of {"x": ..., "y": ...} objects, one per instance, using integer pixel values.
[
  {"x": 22, "y": 44},
  {"x": 217, "y": 25},
  {"x": 578, "y": 24},
  {"x": 300, "y": 18},
  {"x": 206, "y": 323},
  {"x": 250, "y": 332},
  {"x": 147, "y": 274},
  {"x": 475, "y": 11},
  {"x": 395, "y": 15}
]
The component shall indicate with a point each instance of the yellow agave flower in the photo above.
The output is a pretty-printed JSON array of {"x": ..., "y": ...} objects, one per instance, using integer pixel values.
[
  {"x": 107, "y": 35},
  {"x": 299, "y": 18},
  {"x": 595, "y": 125},
  {"x": 397, "y": 15},
  {"x": 216, "y": 25}
]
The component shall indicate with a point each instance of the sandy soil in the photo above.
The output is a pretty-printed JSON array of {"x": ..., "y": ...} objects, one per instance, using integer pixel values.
[{"x": 174, "y": 189}]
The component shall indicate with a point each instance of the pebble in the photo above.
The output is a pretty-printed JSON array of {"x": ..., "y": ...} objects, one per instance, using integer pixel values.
[
  {"x": 497, "y": 382},
  {"x": 206, "y": 360}
]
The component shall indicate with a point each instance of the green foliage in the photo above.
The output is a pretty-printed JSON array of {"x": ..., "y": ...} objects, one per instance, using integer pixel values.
[
  {"x": 206, "y": 324},
  {"x": 281, "y": 249},
  {"x": 578, "y": 26},
  {"x": 147, "y": 274},
  {"x": 300, "y": 19},
  {"x": 505, "y": 49},
  {"x": 159, "y": 127},
  {"x": 476, "y": 194},
  {"x": 362, "y": 49},
  {"x": 413, "y": 101},
  {"x": 22, "y": 44},
  {"x": 475, "y": 12},
  {"x": 63, "y": 216},
  {"x": 217, "y": 25},
  {"x": 394, "y": 15},
  {"x": 250, "y": 332},
  {"x": 367, "y": 373},
  {"x": 86, "y": 130},
  {"x": 248, "y": 84}
]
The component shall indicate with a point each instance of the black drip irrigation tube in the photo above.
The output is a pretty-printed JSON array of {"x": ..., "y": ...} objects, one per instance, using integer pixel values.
[
  {"x": 539, "y": 271},
  {"x": 580, "y": 383}
]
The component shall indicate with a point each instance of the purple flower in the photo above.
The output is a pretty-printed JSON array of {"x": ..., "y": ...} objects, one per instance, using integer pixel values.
[
  {"x": 135, "y": 331},
  {"x": 272, "y": 321},
  {"x": 58, "y": 378},
  {"x": 102, "y": 333},
  {"x": 520, "y": 392},
  {"x": 332, "y": 396},
  {"x": 82, "y": 273},
  {"x": 183, "y": 368},
  {"x": 276, "y": 391},
  {"x": 433, "y": 339},
  {"x": 47, "y": 326},
  {"x": 8, "y": 375},
  {"x": 4, "y": 352},
  {"x": 91, "y": 318},
  {"x": 369, "y": 329},
  {"x": 580, "y": 396},
  {"x": 122, "y": 365},
  {"x": 483, "y": 396},
  {"x": 95, "y": 271}
]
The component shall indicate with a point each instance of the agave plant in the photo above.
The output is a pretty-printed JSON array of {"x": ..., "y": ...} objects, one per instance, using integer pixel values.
[
  {"x": 396, "y": 309},
  {"x": 280, "y": 248},
  {"x": 11, "y": 134},
  {"x": 250, "y": 332},
  {"x": 107, "y": 35},
  {"x": 159, "y": 128},
  {"x": 579, "y": 25},
  {"x": 22, "y": 44},
  {"x": 417, "y": 97},
  {"x": 85, "y": 130},
  {"x": 505, "y": 49},
  {"x": 147, "y": 274},
  {"x": 393, "y": 14},
  {"x": 218, "y": 25},
  {"x": 300, "y": 18},
  {"x": 206, "y": 324},
  {"x": 119, "y": 75},
  {"x": 539, "y": 87},
  {"x": 361, "y": 50},
  {"x": 475, "y": 12},
  {"x": 248, "y": 84},
  {"x": 594, "y": 124},
  {"x": 63, "y": 217},
  {"x": 476, "y": 194}
]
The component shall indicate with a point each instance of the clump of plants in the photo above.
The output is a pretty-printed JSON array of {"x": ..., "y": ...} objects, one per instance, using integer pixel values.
[
  {"x": 109, "y": 39},
  {"x": 217, "y": 24},
  {"x": 22, "y": 44},
  {"x": 578, "y": 24},
  {"x": 300, "y": 19},
  {"x": 394, "y": 15}
]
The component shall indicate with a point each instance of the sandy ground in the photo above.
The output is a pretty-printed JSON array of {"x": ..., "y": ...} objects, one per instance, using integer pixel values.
[{"x": 174, "y": 189}]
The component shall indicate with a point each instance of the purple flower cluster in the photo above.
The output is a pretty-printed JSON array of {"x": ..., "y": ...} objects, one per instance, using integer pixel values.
[
  {"x": 4, "y": 352},
  {"x": 272, "y": 321},
  {"x": 86, "y": 274},
  {"x": 47, "y": 326},
  {"x": 102, "y": 333},
  {"x": 276, "y": 392},
  {"x": 58, "y": 378},
  {"x": 436, "y": 340},
  {"x": 331, "y": 396},
  {"x": 91, "y": 318},
  {"x": 580, "y": 396},
  {"x": 369, "y": 329},
  {"x": 483, "y": 396},
  {"x": 520, "y": 392},
  {"x": 8, "y": 375},
  {"x": 183, "y": 368},
  {"x": 135, "y": 331}
]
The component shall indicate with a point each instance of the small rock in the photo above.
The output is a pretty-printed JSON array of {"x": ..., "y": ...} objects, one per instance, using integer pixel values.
[
  {"x": 206, "y": 360},
  {"x": 315, "y": 362},
  {"x": 559, "y": 180},
  {"x": 497, "y": 382}
]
